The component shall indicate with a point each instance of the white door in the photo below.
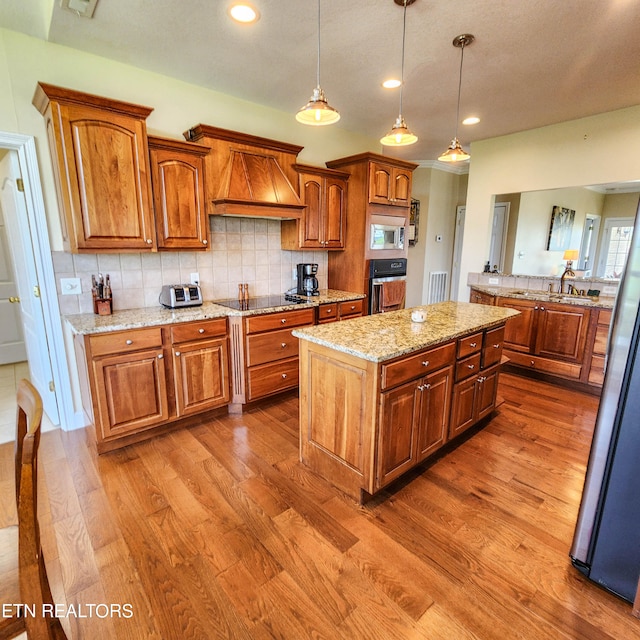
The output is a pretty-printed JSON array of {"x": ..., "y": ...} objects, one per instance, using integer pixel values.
[
  {"x": 499, "y": 235},
  {"x": 457, "y": 252},
  {"x": 614, "y": 247},
  {"x": 37, "y": 347},
  {"x": 12, "y": 347}
]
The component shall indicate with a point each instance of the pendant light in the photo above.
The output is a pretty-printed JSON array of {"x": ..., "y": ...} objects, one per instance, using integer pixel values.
[
  {"x": 400, "y": 135},
  {"x": 317, "y": 111},
  {"x": 454, "y": 152}
]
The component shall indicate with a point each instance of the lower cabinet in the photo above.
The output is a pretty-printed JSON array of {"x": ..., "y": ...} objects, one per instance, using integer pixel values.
[
  {"x": 333, "y": 311},
  {"x": 473, "y": 399},
  {"x": 136, "y": 380}
]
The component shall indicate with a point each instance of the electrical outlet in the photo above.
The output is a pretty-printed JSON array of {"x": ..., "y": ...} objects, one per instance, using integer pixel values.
[
  {"x": 195, "y": 278},
  {"x": 494, "y": 280},
  {"x": 608, "y": 290},
  {"x": 70, "y": 286}
]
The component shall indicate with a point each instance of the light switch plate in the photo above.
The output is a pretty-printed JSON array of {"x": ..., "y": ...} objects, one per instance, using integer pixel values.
[
  {"x": 494, "y": 280},
  {"x": 70, "y": 286},
  {"x": 195, "y": 278}
]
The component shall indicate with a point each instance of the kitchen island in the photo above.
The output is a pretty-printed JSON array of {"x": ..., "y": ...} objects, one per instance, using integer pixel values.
[{"x": 380, "y": 394}]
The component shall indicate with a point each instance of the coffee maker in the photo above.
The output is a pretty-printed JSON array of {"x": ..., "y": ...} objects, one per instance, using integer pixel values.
[{"x": 307, "y": 281}]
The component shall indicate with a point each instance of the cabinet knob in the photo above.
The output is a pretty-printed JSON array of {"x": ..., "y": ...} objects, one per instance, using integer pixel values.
[
  {"x": 496, "y": 346},
  {"x": 205, "y": 242},
  {"x": 284, "y": 375},
  {"x": 535, "y": 308},
  {"x": 149, "y": 241},
  {"x": 200, "y": 330},
  {"x": 353, "y": 306},
  {"x": 425, "y": 363},
  {"x": 471, "y": 366},
  {"x": 283, "y": 320},
  {"x": 160, "y": 356},
  {"x": 178, "y": 354},
  {"x": 329, "y": 310},
  {"x": 533, "y": 363},
  {"x": 473, "y": 344},
  {"x": 283, "y": 345},
  {"x": 541, "y": 308},
  {"x": 129, "y": 342}
]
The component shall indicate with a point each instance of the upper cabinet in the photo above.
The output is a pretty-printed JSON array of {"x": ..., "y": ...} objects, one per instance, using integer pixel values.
[
  {"x": 177, "y": 176},
  {"x": 389, "y": 184},
  {"x": 101, "y": 168},
  {"x": 323, "y": 221}
]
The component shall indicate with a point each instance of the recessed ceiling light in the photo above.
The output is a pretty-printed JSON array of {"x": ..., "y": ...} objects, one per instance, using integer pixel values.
[
  {"x": 471, "y": 120},
  {"x": 244, "y": 13},
  {"x": 392, "y": 83}
]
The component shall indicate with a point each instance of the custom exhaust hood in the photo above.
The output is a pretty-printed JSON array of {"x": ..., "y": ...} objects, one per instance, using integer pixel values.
[{"x": 248, "y": 176}]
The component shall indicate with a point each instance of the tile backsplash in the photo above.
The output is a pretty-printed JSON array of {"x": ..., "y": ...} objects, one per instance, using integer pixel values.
[{"x": 242, "y": 250}]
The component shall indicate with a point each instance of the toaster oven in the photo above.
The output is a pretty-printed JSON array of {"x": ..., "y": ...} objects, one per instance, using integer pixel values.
[{"x": 173, "y": 296}]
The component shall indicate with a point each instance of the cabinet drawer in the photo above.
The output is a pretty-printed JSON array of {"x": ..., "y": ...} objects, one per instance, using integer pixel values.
[
  {"x": 274, "y": 345},
  {"x": 604, "y": 316},
  {"x": 417, "y": 365},
  {"x": 350, "y": 308},
  {"x": 125, "y": 341},
  {"x": 596, "y": 371},
  {"x": 600, "y": 341},
  {"x": 467, "y": 367},
  {"x": 492, "y": 345},
  {"x": 272, "y": 378},
  {"x": 327, "y": 313},
  {"x": 544, "y": 365},
  {"x": 470, "y": 344},
  {"x": 197, "y": 330},
  {"x": 270, "y": 321}
]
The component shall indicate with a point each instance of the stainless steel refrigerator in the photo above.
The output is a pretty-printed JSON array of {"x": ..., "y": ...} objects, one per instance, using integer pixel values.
[{"x": 606, "y": 544}]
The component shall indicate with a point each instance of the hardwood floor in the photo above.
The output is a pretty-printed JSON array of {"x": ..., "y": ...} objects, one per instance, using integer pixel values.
[{"x": 217, "y": 531}]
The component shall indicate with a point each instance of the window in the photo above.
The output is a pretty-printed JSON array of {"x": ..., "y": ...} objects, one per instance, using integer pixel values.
[{"x": 616, "y": 243}]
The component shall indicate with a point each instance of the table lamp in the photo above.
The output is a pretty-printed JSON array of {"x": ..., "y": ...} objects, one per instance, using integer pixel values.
[{"x": 569, "y": 255}]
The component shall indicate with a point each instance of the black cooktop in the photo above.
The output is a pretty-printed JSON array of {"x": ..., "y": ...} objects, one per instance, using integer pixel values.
[{"x": 262, "y": 302}]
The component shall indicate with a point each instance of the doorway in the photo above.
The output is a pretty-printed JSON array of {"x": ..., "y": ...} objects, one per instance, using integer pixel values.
[
  {"x": 499, "y": 228},
  {"x": 590, "y": 233},
  {"x": 28, "y": 238},
  {"x": 457, "y": 252}
]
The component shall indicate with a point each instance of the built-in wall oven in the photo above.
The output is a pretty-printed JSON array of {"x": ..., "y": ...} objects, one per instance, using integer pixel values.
[{"x": 387, "y": 284}]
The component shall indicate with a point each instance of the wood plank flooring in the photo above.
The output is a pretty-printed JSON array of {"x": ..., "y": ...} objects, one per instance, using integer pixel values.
[{"x": 217, "y": 531}]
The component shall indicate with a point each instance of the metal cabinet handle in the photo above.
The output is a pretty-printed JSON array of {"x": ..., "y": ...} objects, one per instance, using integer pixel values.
[
  {"x": 535, "y": 308},
  {"x": 533, "y": 363},
  {"x": 205, "y": 242},
  {"x": 283, "y": 320},
  {"x": 329, "y": 310},
  {"x": 200, "y": 330},
  {"x": 471, "y": 366},
  {"x": 473, "y": 344},
  {"x": 541, "y": 308},
  {"x": 149, "y": 241},
  {"x": 283, "y": 345},
  {"x": 496, "y": 346},
  {"x": 425, "y": 363},
  {"x": 353, "y": 306},
  {"x": 160, "y": 356},
  {"x": 178, "y": 354},
  {"x": 284, "y": 375},
  {"x": 129, "y": 342}
]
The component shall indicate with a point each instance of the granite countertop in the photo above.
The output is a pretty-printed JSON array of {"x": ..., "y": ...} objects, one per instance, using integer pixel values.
[
  {"x": 602, "y": 302},
  {"x": 384, "y": 336},
  {"x": 90, "y": 323}
]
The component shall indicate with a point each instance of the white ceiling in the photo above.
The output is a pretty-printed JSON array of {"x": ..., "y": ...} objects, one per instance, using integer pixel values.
[{"x": 533, "y": 63}]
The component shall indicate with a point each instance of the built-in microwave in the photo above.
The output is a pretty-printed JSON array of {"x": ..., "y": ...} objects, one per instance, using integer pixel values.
[{"x": 386, "y": 236}]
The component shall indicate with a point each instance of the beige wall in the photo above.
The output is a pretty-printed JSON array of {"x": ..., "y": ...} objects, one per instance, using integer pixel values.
[{"x": 580, "y": 152}]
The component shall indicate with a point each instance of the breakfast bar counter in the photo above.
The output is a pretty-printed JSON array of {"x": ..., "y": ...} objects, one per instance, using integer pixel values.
[{"x": 382, "y": 393}]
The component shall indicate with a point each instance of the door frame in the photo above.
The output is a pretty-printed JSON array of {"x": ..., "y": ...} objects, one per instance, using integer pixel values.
[
  {"x": 458, "y": 236},
  {"x": 37, "y": 247}
]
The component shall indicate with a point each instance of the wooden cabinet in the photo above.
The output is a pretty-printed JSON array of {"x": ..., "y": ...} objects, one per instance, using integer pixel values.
[
  {"x": 333, "y": 311},
  {"x": 480, "y": 297},
  {"x": 200, "y": 366},
  {"x": 177, "y": 177},
  {"x": 128, "y": 382},
  {"x": 101, "y": 170},
  {"x": 379, "y": 192},
  {"x": 477, "y": 368},
  {"x": 389, "y": 184},
  {"x": 322, "y": 224},
  {"x": 602, "y": 321},
  {"x": 265, "y": 354},
  {"x": 135, "y": 381},
  {"x": 547, "y": 337}
]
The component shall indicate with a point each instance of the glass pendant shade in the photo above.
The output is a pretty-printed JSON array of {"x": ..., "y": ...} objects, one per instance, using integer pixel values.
[
  {"x": 399, "y": 136},
  {"x": 317, "y": 111},
  {"x": 454, "y": 153}
]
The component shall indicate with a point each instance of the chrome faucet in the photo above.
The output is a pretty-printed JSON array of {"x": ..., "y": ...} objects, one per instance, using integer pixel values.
[{"x": 570, "y": 273}]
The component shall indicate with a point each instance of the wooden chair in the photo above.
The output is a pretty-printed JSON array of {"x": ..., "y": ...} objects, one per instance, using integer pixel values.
[{"x": 21, "y": 561}]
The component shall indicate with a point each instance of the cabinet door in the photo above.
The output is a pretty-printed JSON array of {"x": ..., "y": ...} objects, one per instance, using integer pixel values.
[
  {"x": 480, "y": 297},
  {"x": 486, "y": 393},
  {"x": 435, "y": 396},
  {"x": 334, "y": 222},
  {"x": 178, "y": 198},
  {"x": 463, "y": 407},
  {"x": 519, "y": 330},
  {"x": 401, "y": 187},
  {"x": 131, "y": 392},
  {"x": 399, "y": 411},
  {"x": 562, "y": 332},
  {"x": 312, "y": 217},
  {"x": 105, "y": 164},
  {"x": 380, "y": 176},
  {"x": 201, "y": 371}
]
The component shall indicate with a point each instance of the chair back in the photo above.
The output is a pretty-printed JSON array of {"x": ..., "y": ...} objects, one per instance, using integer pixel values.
[{"x": 34, "y": 584}]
